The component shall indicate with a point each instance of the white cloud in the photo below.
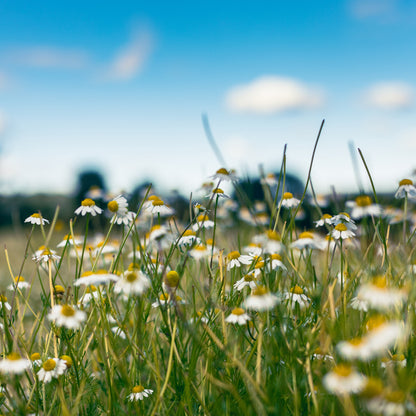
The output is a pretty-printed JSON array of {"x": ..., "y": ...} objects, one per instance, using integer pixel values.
[
  {"x": 389, "y": 96},
  {"x": 3, "y": 81},
  {"x": 362, "y": 9},
  {"x": 3, "y": 123},
  {"x": 273, "y": 94},
  {"x": 131, "y": 59},
  {"x": 50, "y": 57}
]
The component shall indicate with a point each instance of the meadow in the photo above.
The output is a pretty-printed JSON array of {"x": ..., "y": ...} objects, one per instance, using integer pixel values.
[{"x": 238, "y": 310}]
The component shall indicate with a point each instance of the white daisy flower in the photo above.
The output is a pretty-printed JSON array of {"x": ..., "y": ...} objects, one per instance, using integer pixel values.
[
  {"x": 43, "y": 256},
  {"x": 188, "y": 238},
  {"x": 36, "y": 360},
  {"x": 166, "y": 300},
  {"x": 235, "y": 259},
  {"x": 70, "y": 240},
  {"x": 118, "y": 332},
  {"x": 363, "y": 206},
  {"x": 217, "y": 192},
  {"x": 253, "y": 249},
  {"x": 36, "y": 219},
  {"x": 19, "y": 283},
  {"x": 200, "y": 251},
  {"x": 406, "y": 188},
  {"x": 296, "y": 296},
  {"x": 309, "y": 240},
  {"x": 132, "y": 282},
  {"x": 225, "y": 175},
  {"x": 67, "y": 316},
  {"x": 355, "y": 349},
  {"x": 378, "y": 295},
  {"x": 270, "y": 180},
  {"x": 396, "y": 360},
  {"x": 249, "y": 280},
  {"x": 275, "y": 262},
  {"x": 344, "y": 380},
  {"x": 344, "y": 218},
  {"x": 88, "y": 207},
  {"x": 341, "y": 232},
  {"x": 270, "y": 241},
  {"x": 51, "y": 368},
  {"x": 288, "y": 201},
  {"x": 139, "y": 393},
  {"x": 14, "y": 364},
  {"x": 99, "y": 277},
  {"x": 4, "y": 303},
  {"x": 202, "y": 221},
  {"x": 237, "y": 316},
  {"x": 261, "y": 300},
  {"x": 90, "y": 293},
  {"x": 158, "y": 207},
  {"x": 325, "y": 220}
]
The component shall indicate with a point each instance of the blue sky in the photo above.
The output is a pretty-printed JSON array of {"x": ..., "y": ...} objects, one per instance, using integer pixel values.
[{"x": 121, "y": 87}]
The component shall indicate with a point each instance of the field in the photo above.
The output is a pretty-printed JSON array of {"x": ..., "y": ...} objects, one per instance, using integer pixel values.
[{"x": 242, "y": 309}]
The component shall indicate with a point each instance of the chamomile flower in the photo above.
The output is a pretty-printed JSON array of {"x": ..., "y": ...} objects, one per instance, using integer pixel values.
[
  {"x": 237, "y": 316},
  {"x": 308, "y": 240},
  {"x": 202, "y": 221},
  {"x": 270, "y": 241},
  {"x": 217, "y": 193},
  {"x": 235, "y": 259},
  {"x": 132, "y": 282},
  {"x": 341, "y": 232},
  {"x": 36, "y": 359},
  {"x": 165, "y": 299},
  {"x": 91, "y": 293},
  {"x": 289, "y": 201},
  {"x": 261, "y": 299},
  {"x": 253, "y": 249},
  {"x": 270, "y": 180},
  {"x": 19, "y": 283},
  {"x": 158, "y": 207},
  {"x": 200, "y": 251},
  {"x": 344, "y": 218},
  {"x": 67, "y": 316},
  {"x": 43, "y": 255},
  {"x": 88, "y": 207},
  {"x": 325, "y": 220},
  {"x": 406, "y": 188},
  {"x": 171, "y": 281},
  {"x": 188, "y": 238},
  {"x": 396, "y": 360},
  {"x": 118, "y": 205},
  {"x": 355, "y": 349},
  {"x": 249, "y": 280},
  {"x": 224, "y": 175},
  {"x": 70, "y": 240},
  {"x": 51, "y": 368},
  {"x": 4, "y": 303},
  {"x": 379, "y": 295},
  {"x": 36, "y": 219},
  {"x": 139, "y": 393},
  {"x": 275, "y": 262},
  {"x": 99, "y": 277},
  {"x": 343, "y": 380},
  {"x": 295, "y": 296},
  {"x": 14, "y": 364},
  {"x": 363, "y": 206}
]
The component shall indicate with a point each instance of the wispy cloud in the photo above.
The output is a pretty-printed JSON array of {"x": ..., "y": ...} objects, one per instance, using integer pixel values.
[
  {"x": 383, "y": 11},
  {"x": 273, "y": 94},
  {"x": 3, "y": 81},
  {"x": 131, "y": 59},
  {"x": 50, "y": 57},
  {"x": 3, "y": 123},
  {"x": 393, "y": 95}
]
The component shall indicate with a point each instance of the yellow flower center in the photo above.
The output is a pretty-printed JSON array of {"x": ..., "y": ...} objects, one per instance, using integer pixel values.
[
  {"x": 356, "y": 341},
  {"x": 380, "y": 282},
  {"x": 249, "y": 277},
  {"x": 14, "y": 356},
  {"x": 396, "y": 396},
  {"x": 172, "y": 278},
  {"x": 287, "y": 195},
  {"x": 59, "y": 290},
  {"x": 187, "y": 233},
  {"x": 341, "y": 227},
  {"x": 164, "y": 297},
  {"x": 398, "y": 357},
  {"x": 217, "y": 191},
  {"x": 345, "y": 214},
  {"x": 134, "y": 266},
  {"x": 202, "y": 218},
  {"x": 273, "y": 235},
  {"x": 36, "y": 215},
  {"x": 276, "y": 257},
  {"x": 35, "y": 356},
  {"x": 259, "y": 264},
  {"x": 296, "y": 290},
  {"x": 3, "y": 298},
  {"x": 343, "y": 370},
  {"x": 138, "y": 389},
  {"x": 68, "y": 360},
  {"x": 375, "y": 322},
  {"x": 234, "y": 255},
  {"x": 373, "y": 388},
  {"x": 49, "y": 365},
  {"x": 270, "y": 176},
  {"x": 405, "y": 182},
  {"x": 259, "y": 291},
  {"x": 88, "y": 202},
  {"x": 157, "y": 203},
  {"x": 306, "y": 234},
  {"x": 131, "y": 277},
  {"x": 18, "y": 279},
  {"x": 91, "y": 289},
  {"x": 363, "y": 201},
  {"x": 326, "y": 217},
  {"x": 67, "y": 310},
  {"x": 112, "y": 206},
  {"x": 237, "y": 311},
  {"x": 222, "y": 171}
]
